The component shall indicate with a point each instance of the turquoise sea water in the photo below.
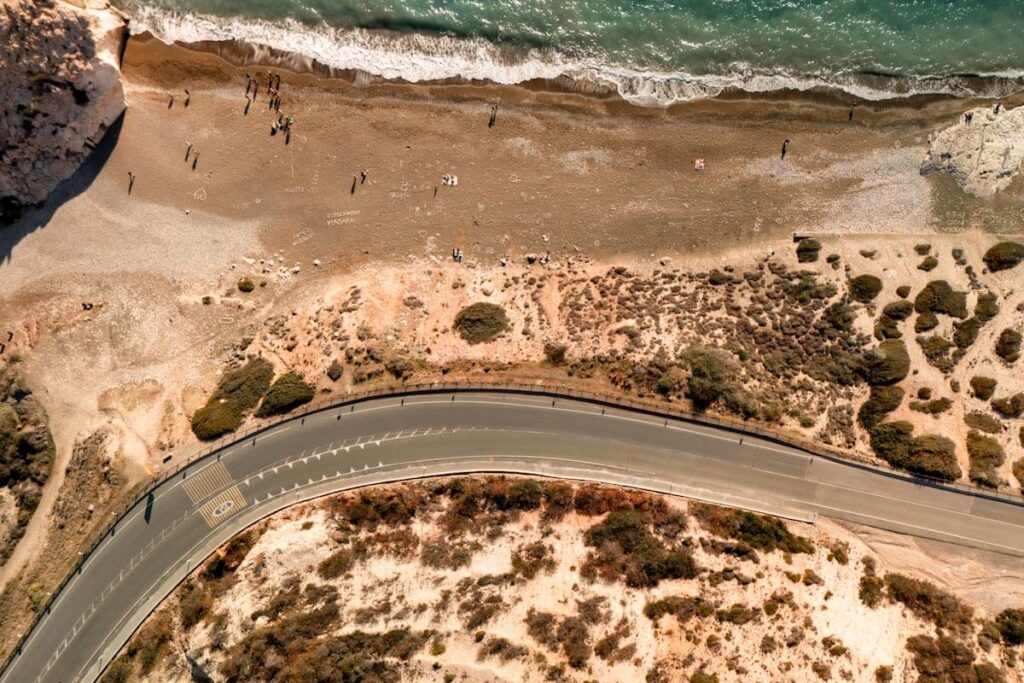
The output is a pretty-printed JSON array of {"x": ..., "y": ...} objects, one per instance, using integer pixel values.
[{"x": 650, "y": 51}]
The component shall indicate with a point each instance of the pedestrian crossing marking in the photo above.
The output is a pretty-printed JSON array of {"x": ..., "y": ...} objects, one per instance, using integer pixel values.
[
  {"x": 223, "y": 506},
  {"x": 206, "y": 482}
]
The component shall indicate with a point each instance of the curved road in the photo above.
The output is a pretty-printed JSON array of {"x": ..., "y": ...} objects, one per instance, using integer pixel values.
[{"x": 160, "y": 540}]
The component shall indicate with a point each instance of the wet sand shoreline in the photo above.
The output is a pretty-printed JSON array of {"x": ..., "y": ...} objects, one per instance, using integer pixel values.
[{"x": 821, "y": 103}]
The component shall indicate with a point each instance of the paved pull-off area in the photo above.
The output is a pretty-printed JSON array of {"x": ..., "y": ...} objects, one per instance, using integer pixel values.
[{"x": 164, "y": 537}]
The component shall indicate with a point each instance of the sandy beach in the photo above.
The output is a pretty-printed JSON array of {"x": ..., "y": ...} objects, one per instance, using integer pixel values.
[{"x": 587, "y": 176}]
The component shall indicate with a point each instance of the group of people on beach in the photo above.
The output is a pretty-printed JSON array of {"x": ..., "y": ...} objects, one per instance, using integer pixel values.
[{"x": 273, "y": 84}]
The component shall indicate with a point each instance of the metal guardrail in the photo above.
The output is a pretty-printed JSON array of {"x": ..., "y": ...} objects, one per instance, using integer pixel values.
[{"x": 555, "y": 392}]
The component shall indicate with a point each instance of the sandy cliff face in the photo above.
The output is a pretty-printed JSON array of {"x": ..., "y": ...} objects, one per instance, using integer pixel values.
[{"x": 61, "y": 91}]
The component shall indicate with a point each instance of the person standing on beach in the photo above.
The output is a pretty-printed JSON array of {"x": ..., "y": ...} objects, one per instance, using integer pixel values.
[
  {"x": 131, "y": 181},
  {"x": 188, "y": 96},
  {"x": 171, "y": 102},
  {"x": 362, "y": 177},
  {"x": 195, "y": 160},
  {"x": 188, "y": 149},
  {"x": 850, "y": 117},
  {"x": 353, "y": 190},
  {"x": 247, "y": 103},
  {"x": 248, "y": 83},
  {"x": 494, "y": 116},
  {"x": 968, "y": 117},
  {"x": 785, "y": 146}
]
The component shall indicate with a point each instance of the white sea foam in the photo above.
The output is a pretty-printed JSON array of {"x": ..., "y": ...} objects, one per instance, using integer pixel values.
[{"x": 418, "y": 57}]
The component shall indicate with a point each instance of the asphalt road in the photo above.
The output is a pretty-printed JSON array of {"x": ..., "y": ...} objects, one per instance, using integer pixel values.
[{"x": 154, "y": 547}]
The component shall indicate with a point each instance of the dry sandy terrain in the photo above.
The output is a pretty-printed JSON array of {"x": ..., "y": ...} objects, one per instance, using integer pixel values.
[{"x": 483, "y": 606}]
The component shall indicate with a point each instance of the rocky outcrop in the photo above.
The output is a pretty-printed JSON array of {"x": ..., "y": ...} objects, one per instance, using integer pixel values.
[
  {"x": 61, "y": 90},
  {"x": 983, "y": 152}
]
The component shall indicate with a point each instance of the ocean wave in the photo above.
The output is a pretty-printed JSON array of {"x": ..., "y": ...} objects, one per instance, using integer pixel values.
[{"x": 418, "y": 57}]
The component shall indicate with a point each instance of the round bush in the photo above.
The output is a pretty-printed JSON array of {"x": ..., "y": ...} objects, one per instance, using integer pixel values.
[
  {"x": 1003, "y": 256},
  {"x": 287, "y": 393},
  {"x": 481, "y": 322},
  {"x": 215, "y": 419},
  {"x": 938, "y": 297},
  {"x": 807, "y": 250},
  {"x": 983, "y": 387},
  {"x": 887, "y": 364},
  {"x": 898, "y": 310},
  {"x": 1008, "y": 345},
  {"x": 245, "y": 284},
  {"x": 864, "y": 288}
]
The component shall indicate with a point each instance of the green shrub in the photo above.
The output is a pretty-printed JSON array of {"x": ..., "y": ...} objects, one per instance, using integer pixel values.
[
  {"x": 717, "y": 278},
  {"x": 703, "y": 677},
  {"x": 933, "y": 407},
  {"x": 573, "y": 635},
  {"x": 889, "y": 363},
  {"x": 987, "y": 307},
  {"x": 881, "y": 402},
  {"x": 711, "y": 374},
  {"x": 214, "y": 420},
  {"x": 288, "y": 392},
  {"x": 244, "y": 386},
  {"x": 898, "y": 310},
  {"x": 986, "y": 455},
  {"x": 738, "y": 614},
  {"x": 929, "y": 455},
  {"x": 942, "y": 659},
  {"x": 1018, "y": 472},
  {"x": 807, "y": 250},
  {"x": 926, "y": 321},
  {"x": 335, "y": 371},
  {"x": 152, "y": 641},
  {"x": 554, "y": 354},
  {"x": 983, "y": 422},
  {"x": 119, "y": 671},
  {"x": 194, "y": 603},
  {"x": 625, "y": 547},
  {"x": 806, "y": 288},
  {"x": 245, "y": 284},
  {"x": 1011, "y": 626},
  {"x": 930, "y": 603},
  {"x": 667, "y": 385},
  {"x": 903, "y": 291},
  {"x": 966, "y": 333},
  {"x": 1008, "y": 345},
  {"x": 757, "y": 531},
  {"x": 929, "y": 264},
  {"x": 983, "y": 387},
  {"x": 1003, "y": 256},
  {"x": 871, "y": 590},
  {"x": 682, "y": 608},
  {"x": 864, "y": 288},
  {"x": 886, "y": 328},
  {"x": 481, "y": 322},
  {"x": 336, "y": 564},
  {"x": 938, "y": 297},
  {"x": 1011, "y": 406},
  {"x": 936, "y": 350}
]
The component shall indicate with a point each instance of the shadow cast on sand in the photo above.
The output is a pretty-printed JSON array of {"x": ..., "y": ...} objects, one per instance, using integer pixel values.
[{"x": 79, "y": 182}]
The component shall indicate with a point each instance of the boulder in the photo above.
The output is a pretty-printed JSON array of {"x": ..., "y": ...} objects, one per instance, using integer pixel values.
[{"x": 982, "y": 156}]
